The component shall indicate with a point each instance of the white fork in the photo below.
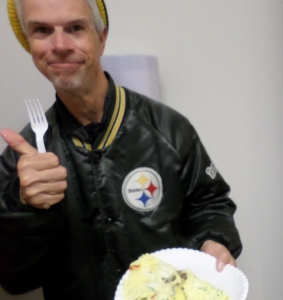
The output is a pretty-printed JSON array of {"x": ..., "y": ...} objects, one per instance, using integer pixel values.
[{"x": 38, "y": 122}]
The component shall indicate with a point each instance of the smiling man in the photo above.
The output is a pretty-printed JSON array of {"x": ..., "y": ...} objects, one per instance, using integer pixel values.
[
  {"x": 66, "y": 47},
  {"x": 123, "y": 175}
]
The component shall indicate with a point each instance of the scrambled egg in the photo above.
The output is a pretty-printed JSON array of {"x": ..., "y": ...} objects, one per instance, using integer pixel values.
[
  {"x": 197, "y": 289},
  {"x": 150, "y": 278}
]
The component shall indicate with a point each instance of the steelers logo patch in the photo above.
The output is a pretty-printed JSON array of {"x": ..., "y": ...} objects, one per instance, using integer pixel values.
[{"x": 142, "y": 189}]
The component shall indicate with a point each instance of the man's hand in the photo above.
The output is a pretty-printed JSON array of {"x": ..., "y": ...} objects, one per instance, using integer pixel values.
[
  {"x": 220, "y": 252},
  {"x": 42, "y": 179}
]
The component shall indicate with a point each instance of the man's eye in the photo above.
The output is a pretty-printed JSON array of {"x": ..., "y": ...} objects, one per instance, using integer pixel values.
[
  {"x": 76, "y": 28},
  {"x": 41, "y": 30}
]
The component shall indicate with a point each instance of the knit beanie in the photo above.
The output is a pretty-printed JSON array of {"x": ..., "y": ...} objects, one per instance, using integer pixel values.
[{"x": 14, "y": 20}]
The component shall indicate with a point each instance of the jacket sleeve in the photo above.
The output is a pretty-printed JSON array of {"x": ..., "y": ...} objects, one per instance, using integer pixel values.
[
  {"x": 208, "y": 210},
  {"x": 27, "y": 235}
]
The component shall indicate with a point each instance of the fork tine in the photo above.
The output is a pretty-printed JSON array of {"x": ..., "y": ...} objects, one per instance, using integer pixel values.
[
  {"x": 36, "y": 110},
  {"x": 41, "y": 111},
  {"x": 38, "y": 122},
  {"x": 31, "y": 112}
]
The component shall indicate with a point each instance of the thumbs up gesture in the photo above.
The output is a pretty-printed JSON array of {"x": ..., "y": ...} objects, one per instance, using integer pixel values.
[{"x": 42, "y": 179}]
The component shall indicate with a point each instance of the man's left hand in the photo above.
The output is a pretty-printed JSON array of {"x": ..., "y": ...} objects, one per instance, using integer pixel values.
[{"x": 220, "y": 252}]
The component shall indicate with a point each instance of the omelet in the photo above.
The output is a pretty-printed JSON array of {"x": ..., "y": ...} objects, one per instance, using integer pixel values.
[
  {"x": 197, "y": 289},
  {"x": 150, "y": 278}
]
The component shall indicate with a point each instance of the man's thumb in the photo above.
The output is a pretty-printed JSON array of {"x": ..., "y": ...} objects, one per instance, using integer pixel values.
[{"x": 17, "y": 142}]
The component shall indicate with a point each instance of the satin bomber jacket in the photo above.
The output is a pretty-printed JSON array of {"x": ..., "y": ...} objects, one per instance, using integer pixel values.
[{"x": 147, "y": 185}]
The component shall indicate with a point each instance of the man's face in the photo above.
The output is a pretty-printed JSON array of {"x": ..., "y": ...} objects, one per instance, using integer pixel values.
[{"x": 64, "y": 43}]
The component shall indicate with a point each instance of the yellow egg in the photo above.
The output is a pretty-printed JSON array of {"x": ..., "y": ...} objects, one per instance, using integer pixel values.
[{"x": 150, "y": 278}]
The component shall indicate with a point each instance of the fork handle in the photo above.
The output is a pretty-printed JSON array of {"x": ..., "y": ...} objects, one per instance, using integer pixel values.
[{"x": 40, "y": 145}]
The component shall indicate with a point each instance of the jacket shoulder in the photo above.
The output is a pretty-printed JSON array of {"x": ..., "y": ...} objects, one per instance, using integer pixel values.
[{"x": 174, "y": 126}]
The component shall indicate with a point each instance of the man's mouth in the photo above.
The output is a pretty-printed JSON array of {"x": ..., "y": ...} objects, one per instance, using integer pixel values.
[{"x": 65, "y": 64}]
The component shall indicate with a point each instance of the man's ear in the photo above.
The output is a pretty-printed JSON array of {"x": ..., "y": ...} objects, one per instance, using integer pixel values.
[{"x": 103, "y": 38}]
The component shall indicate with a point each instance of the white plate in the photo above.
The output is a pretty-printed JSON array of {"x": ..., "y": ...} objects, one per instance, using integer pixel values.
[{"x": 231, "y": 280}]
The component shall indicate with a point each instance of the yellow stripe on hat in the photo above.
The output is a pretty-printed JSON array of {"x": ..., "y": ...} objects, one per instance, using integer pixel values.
[
  {"x": 103, "y": 12},
  {"x": 15, "y": 24},
  {"x": 14, "y": 21}
]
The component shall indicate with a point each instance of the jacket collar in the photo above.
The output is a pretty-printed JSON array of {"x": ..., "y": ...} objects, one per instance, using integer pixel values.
[{"x": 95, "y": 135}]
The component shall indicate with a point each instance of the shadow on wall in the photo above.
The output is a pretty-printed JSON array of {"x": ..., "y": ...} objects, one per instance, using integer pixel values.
[{"x": 35, "y": 295}]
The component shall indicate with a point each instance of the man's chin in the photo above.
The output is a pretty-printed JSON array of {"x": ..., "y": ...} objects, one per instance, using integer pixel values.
[{"x": 66, "y": 84}]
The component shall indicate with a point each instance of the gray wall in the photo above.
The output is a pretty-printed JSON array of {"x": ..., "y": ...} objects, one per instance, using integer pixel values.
[{"x": 221, "y": 65}]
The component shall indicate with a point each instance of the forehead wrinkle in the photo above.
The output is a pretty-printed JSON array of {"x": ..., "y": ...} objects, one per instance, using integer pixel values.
[{"x": 36, "y": 22}]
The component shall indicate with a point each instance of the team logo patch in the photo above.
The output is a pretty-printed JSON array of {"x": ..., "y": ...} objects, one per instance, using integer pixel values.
[
  {"x": 142, "y": 189},
  {"x": 211, "y": 171}
]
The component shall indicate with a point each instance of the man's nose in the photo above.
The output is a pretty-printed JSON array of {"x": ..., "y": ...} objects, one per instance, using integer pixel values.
[{"x": 61, "y": 42}]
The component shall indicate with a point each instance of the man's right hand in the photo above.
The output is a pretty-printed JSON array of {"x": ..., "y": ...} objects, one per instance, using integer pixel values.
[{"x": 42, "y": 179}]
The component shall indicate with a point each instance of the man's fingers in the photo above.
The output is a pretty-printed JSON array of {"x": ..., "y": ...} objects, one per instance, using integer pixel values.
[
  {"x": 28, "y": 164},
  {"x": 17, "y": 142},
  {"x": 36, "y": 191},
  {"x": 33, "y": 178},
  {"x": 44, "y": 201},
  {"x": 223, "y": 261},
  {"x": 220, "y": 252}
]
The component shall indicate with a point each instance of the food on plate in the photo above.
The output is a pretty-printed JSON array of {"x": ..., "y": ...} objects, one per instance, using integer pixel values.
[
  {"x": 150, "y": 278},
  {"x": 197, "y": 289}
]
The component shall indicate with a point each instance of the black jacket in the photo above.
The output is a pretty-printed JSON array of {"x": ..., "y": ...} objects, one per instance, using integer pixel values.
[{"x": 147, "y": 184}]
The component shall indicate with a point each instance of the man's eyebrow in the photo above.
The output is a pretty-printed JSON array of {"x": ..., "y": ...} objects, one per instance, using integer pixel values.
[
  {"x": 34, "y": 23},
  {"x": 81, "y": 20}
]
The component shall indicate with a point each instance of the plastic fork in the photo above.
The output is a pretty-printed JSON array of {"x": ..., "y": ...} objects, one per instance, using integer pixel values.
[{"x": 38, "y": 122}]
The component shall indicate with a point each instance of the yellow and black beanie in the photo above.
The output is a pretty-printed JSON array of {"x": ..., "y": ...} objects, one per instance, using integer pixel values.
[{"x": 17, "y": 27}]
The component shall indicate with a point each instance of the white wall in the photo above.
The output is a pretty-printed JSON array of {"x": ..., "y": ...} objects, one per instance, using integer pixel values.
[{"x": 221, "y": 64}]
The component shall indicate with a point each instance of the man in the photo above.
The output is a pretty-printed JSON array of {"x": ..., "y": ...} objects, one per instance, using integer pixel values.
[{"x": 123, "y": 175}]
